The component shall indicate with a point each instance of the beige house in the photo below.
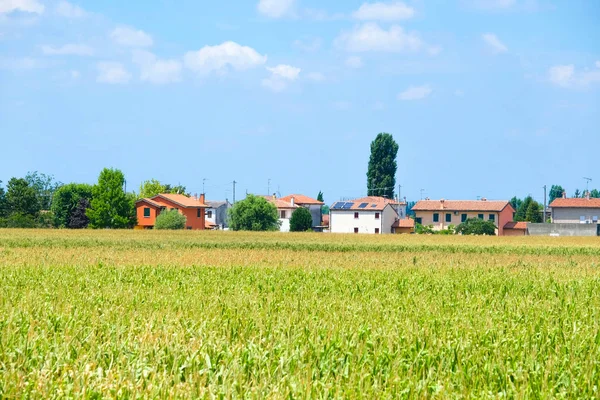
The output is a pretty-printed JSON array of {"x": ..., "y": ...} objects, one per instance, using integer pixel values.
[
  {"x": 575, "y": 211},
  {"x": 442, "y": 213}
]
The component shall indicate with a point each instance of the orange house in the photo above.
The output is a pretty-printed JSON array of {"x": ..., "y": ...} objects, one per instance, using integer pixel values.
[{"x": 192, "y": 207}]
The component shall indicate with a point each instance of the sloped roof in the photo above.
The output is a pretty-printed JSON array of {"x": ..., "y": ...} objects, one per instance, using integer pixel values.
[
  {"x": 461, "y": 205},
  {"x": 150, "y": 202},
  {"x": 216, "y": 204},
  {"x": 301, "y": 199},
  {"x": 516, "y": 225},
  {"x": 404, "y": 223},
  {"x": 181, "y": 200},
  {"x": 373, "y": 203},
  {"x": 575, "y": 203},
  {"x": 279, "y": 203}
]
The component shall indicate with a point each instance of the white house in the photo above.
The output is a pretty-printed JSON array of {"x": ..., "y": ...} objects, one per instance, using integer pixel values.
[
  {"x": 216, "y": 214},
  {"x": 374, "y": 215},
  {"x": 313, "y": 205},
  {"x": 284, "y": 210}
]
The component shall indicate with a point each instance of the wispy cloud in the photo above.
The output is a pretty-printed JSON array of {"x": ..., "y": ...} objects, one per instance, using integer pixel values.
[
  {"x": 568, "y": 77},
  {"x": 68, "y": 10},
  {"x": 379, "y": 11},
  {"x": 415, "y": 93},
  {"x": 68, "y": 49},
  {"x": 493, "y": 43},
  {"x": 354, "y": 62},
  {"x": 29, "y": 6},
  {"x": 131, "y": 37},
  {"x": 221, "y": 57},
  {"x": 275, "y": 8},
  {"x": 155, "y": 70},
  {"x": 280, "y": 77},
  {"x": 112, "y": 73},
  {"x": 316, "y": 76},
  {"x": 371, "y": 37},
  {"x": 308, "y": 45}
]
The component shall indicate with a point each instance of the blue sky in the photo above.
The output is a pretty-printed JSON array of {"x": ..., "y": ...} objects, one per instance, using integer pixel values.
[{"x": 489, "y": 98}]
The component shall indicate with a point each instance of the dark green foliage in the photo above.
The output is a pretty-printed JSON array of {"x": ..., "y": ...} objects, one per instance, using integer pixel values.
[
  {"x": 44, "y": 187},
  {"x": 476, "y": 226},
  {"x": 21, "y": 198},
  {"x": 3, "y": 207},
  {"x": 534, "y": 212},
  {"x": 110, "y": 206},
  {"x": 556, "y": 192},
  {"x": 424, "y": 229},
  {"x": 325, "y": 209},
  {"x": 521, "y": 214},
  {"x": 78, "y": 218},
  {"x": 177, "y": 189},
  {"x": 595, "y": 194},
  {"x": 381, "y": 174},
  {"x": 516, "y": 204},
  {"x": 171, "y": 219},
  {"x": 253, "y": 214},
  {"x": 19, "y": 220},
  {"x": 66, "y": 200},
  {"x": 577, "y": 193},
  {"x": 301, "y": 220},
  {"x": 320, "y": 196},
  {"x": 409, "y": 207}
]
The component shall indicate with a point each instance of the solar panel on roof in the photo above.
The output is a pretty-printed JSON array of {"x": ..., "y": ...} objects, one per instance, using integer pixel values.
[
  {"x": 373, "y": 205},
  {"x": 363, "y": 205},
  {"x": 348, "y": 206},
  {"x": 338, "y": 205}
]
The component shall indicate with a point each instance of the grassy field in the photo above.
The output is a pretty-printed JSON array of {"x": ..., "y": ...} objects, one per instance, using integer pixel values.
[{"x": 237, "y": 315}]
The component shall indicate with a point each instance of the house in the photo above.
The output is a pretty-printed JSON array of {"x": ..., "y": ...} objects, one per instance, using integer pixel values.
[
  {"x": 575, "y": 211},
  {"x": 403, "y": 226},
  {"x": 313, "y": 205},
  {"x": 442, "y": 213},
  {"x": 216, "y": 214},
  {"x": 192, "y": 207},
  {"x": 515, "y": 228},
  {"x": 374, "y": 215},
  {"x": 284, "y": 211}
]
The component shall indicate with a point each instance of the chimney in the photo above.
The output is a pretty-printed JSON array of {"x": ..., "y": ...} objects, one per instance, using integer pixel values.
[
  {"x": 483, "y": 199},
  {"x": 274, "y": 196},
  {"x": 292, "y": 201},
  {"x": 202, "y": 198},
  {"x": 564, "y": 194},
  {"x": 587, "y": 195},
  {"x": 442, "y": 204}
]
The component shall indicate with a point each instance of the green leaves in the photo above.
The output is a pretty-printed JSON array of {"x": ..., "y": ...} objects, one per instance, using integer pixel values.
[
  {"x": 171, "y": 219},
  {"x": 110, "y": 206},
  {"x": 381, "y": 173},
  {"x": 254, "y": 213},
  {"x": 301, "y": 220}
]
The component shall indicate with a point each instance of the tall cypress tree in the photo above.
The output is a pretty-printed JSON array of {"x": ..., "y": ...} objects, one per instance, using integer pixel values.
[{"x": 381, "y": 175}]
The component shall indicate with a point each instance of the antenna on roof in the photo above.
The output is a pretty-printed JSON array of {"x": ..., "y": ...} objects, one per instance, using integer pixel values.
[{"x": 587, "y": 184}]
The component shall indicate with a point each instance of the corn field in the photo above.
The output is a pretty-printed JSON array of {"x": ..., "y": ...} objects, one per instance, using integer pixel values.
[{"x": 128, "y": 314}]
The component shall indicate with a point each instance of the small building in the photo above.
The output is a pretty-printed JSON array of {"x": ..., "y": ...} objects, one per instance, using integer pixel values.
[
  {"x": 442, "y": 213},
  {"x": 372, "y": 214},
  {"x": 216, "y": 214},
  {"x": 192, "y": 207},
  {"x": 284, "y": 211},
  {"x": 404, "y": 226},
  {"x": 515, "y": 228},
  {"x": 575, "y": 211},
  {"x": 313, "y": 205}
]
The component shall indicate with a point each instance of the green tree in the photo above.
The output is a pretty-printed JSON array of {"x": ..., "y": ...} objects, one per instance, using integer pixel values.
[
  {"x": 325, "y": 209},
  {"x": 320, "y": 196},
  {"x": 254, "y": 213},
  {"x": 177, "y": 189},
  {"x": 476, "y": 226},
  {"x": 381, "y": 173},
  {"x": 515, "y": 202},
  {"x": 3, "y": 208},
  {"x": 534, "y": 212},
  {"x": 556, "y": 192},
  {"x": 21, "y": 198},
  {"x": 595, "y": 194},
  {"x": 78, "y": 218},
  {"x": 577, "y": 194},
  {"x": 151, "y": 188},
  {"x": 110, "y": 206},
  {"x": 301, "y": 220},
  {"x": 67, "y": 199},
  {"x": 44, "y": 186},
  {"x": 521, "y": 214},
  {"x": 171, "y": 219}
]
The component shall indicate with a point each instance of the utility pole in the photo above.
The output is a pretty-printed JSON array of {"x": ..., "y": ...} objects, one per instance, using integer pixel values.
[
  {"x": 269, "y": 187},
  {"x": 544, "y": 213},
  {"x": 422, "y": 190},
  {"x": 234, "y": 182},
  {"x": 203, "y": 180},
  {"x": 399, "y": 192}
]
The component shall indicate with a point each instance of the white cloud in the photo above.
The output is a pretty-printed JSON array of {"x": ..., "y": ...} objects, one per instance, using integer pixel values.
[
  {"x": 316, "y": 77},
  {"x": 155, "y": 70},
  {"x": 130, "y": 37},
  {"x": 415, "y": 93},
  {"x": 223, "y": 56},
  {"x": 26, "y": 63},
  {"x": 354, "y": 62},
  {"x": 68, "y": 49},
  {"x": 393, "y": 11},
  {"x": 68, "y": 10},
  {"x": 308, "y": 45},
  {"x": 494, "y": 43},
  {"x": 280, "y": 76},
  {"x": 30, "y": 6},
  {"x": 568, "y": 77},
  {"x": 275, "y": 8},
  {"x": 112, "y": 72},
  {"x": 371, "y": 37}
]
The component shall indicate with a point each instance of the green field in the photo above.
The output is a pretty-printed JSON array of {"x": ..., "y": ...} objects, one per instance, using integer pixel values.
[{"x": 128, "y": 314}]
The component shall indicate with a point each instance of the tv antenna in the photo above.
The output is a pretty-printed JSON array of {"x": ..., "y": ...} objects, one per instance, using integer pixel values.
[{"x": 587, "y": 184}]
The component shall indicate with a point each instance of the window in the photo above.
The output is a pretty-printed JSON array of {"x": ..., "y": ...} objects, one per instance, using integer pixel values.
[
  {"x": 448, "y": 217},
  {"x": 282, "y": 214},
  {"x": 146, "y": 212},
  {"x": 582, "y": 219},
  {"x": 355, "y": 215},
  {"x": 189, "y": 228},
  {"x": 377, "y": 231},
  {"x": 595, "y": 219},
  {"x": 419, "y": 221},
  {"x": 209, "y": 214},
  {"x": 463, "y": 218},
  {"x": 198, "y": 213},
  {"x": 480, "y": 216},
  {"x": 492, "y": 217},
  {"x": 436, "y": 217},
  {"x": 355, "y": 230},
  {"x": 376, "y": 215}
]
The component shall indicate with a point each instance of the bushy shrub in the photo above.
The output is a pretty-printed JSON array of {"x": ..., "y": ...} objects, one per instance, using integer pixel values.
[
  {"x": 301, "y": 220},
  {"x": 171, "y": 219},
  {"x": 254, "y": 213},
  {"x": 476, "y": 226}
]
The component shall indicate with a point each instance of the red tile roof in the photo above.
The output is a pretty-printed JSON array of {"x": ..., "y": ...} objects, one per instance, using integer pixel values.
[
  {"x": 404, "y": 223},
  {"x": 279, "y": 203},
  {"x": 150, "y": 202},
  {"x": 301, "y": 199},
  {"x": 374, "y": 203},
  {"x": 516, "y": 225},
  {"x": 575, "y": 203},
  {"x": 461, "y": 205},
  {"x": 181, "y": 200}
]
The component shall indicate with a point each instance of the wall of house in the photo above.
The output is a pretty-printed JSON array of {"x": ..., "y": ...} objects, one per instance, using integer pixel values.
[
  {"x": 343, "y": 221},
  {"x": 285, "y": 222},
  {"x": 514, "y": 232},
  {"x": 403, "y": 230},
  {"x": 389, "y": 216},
  {"x": 573, "y": 215},
  {"x": 222, "y": 216},
  {"x": 146, "y": 221},
  {"x": 213, "y": 218},
  {"x": 456, "y": 219},
  {"x": 505, "y": 216},
  {"x": 193, "y": 221},
  {"x": 315, "y": 212}
]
